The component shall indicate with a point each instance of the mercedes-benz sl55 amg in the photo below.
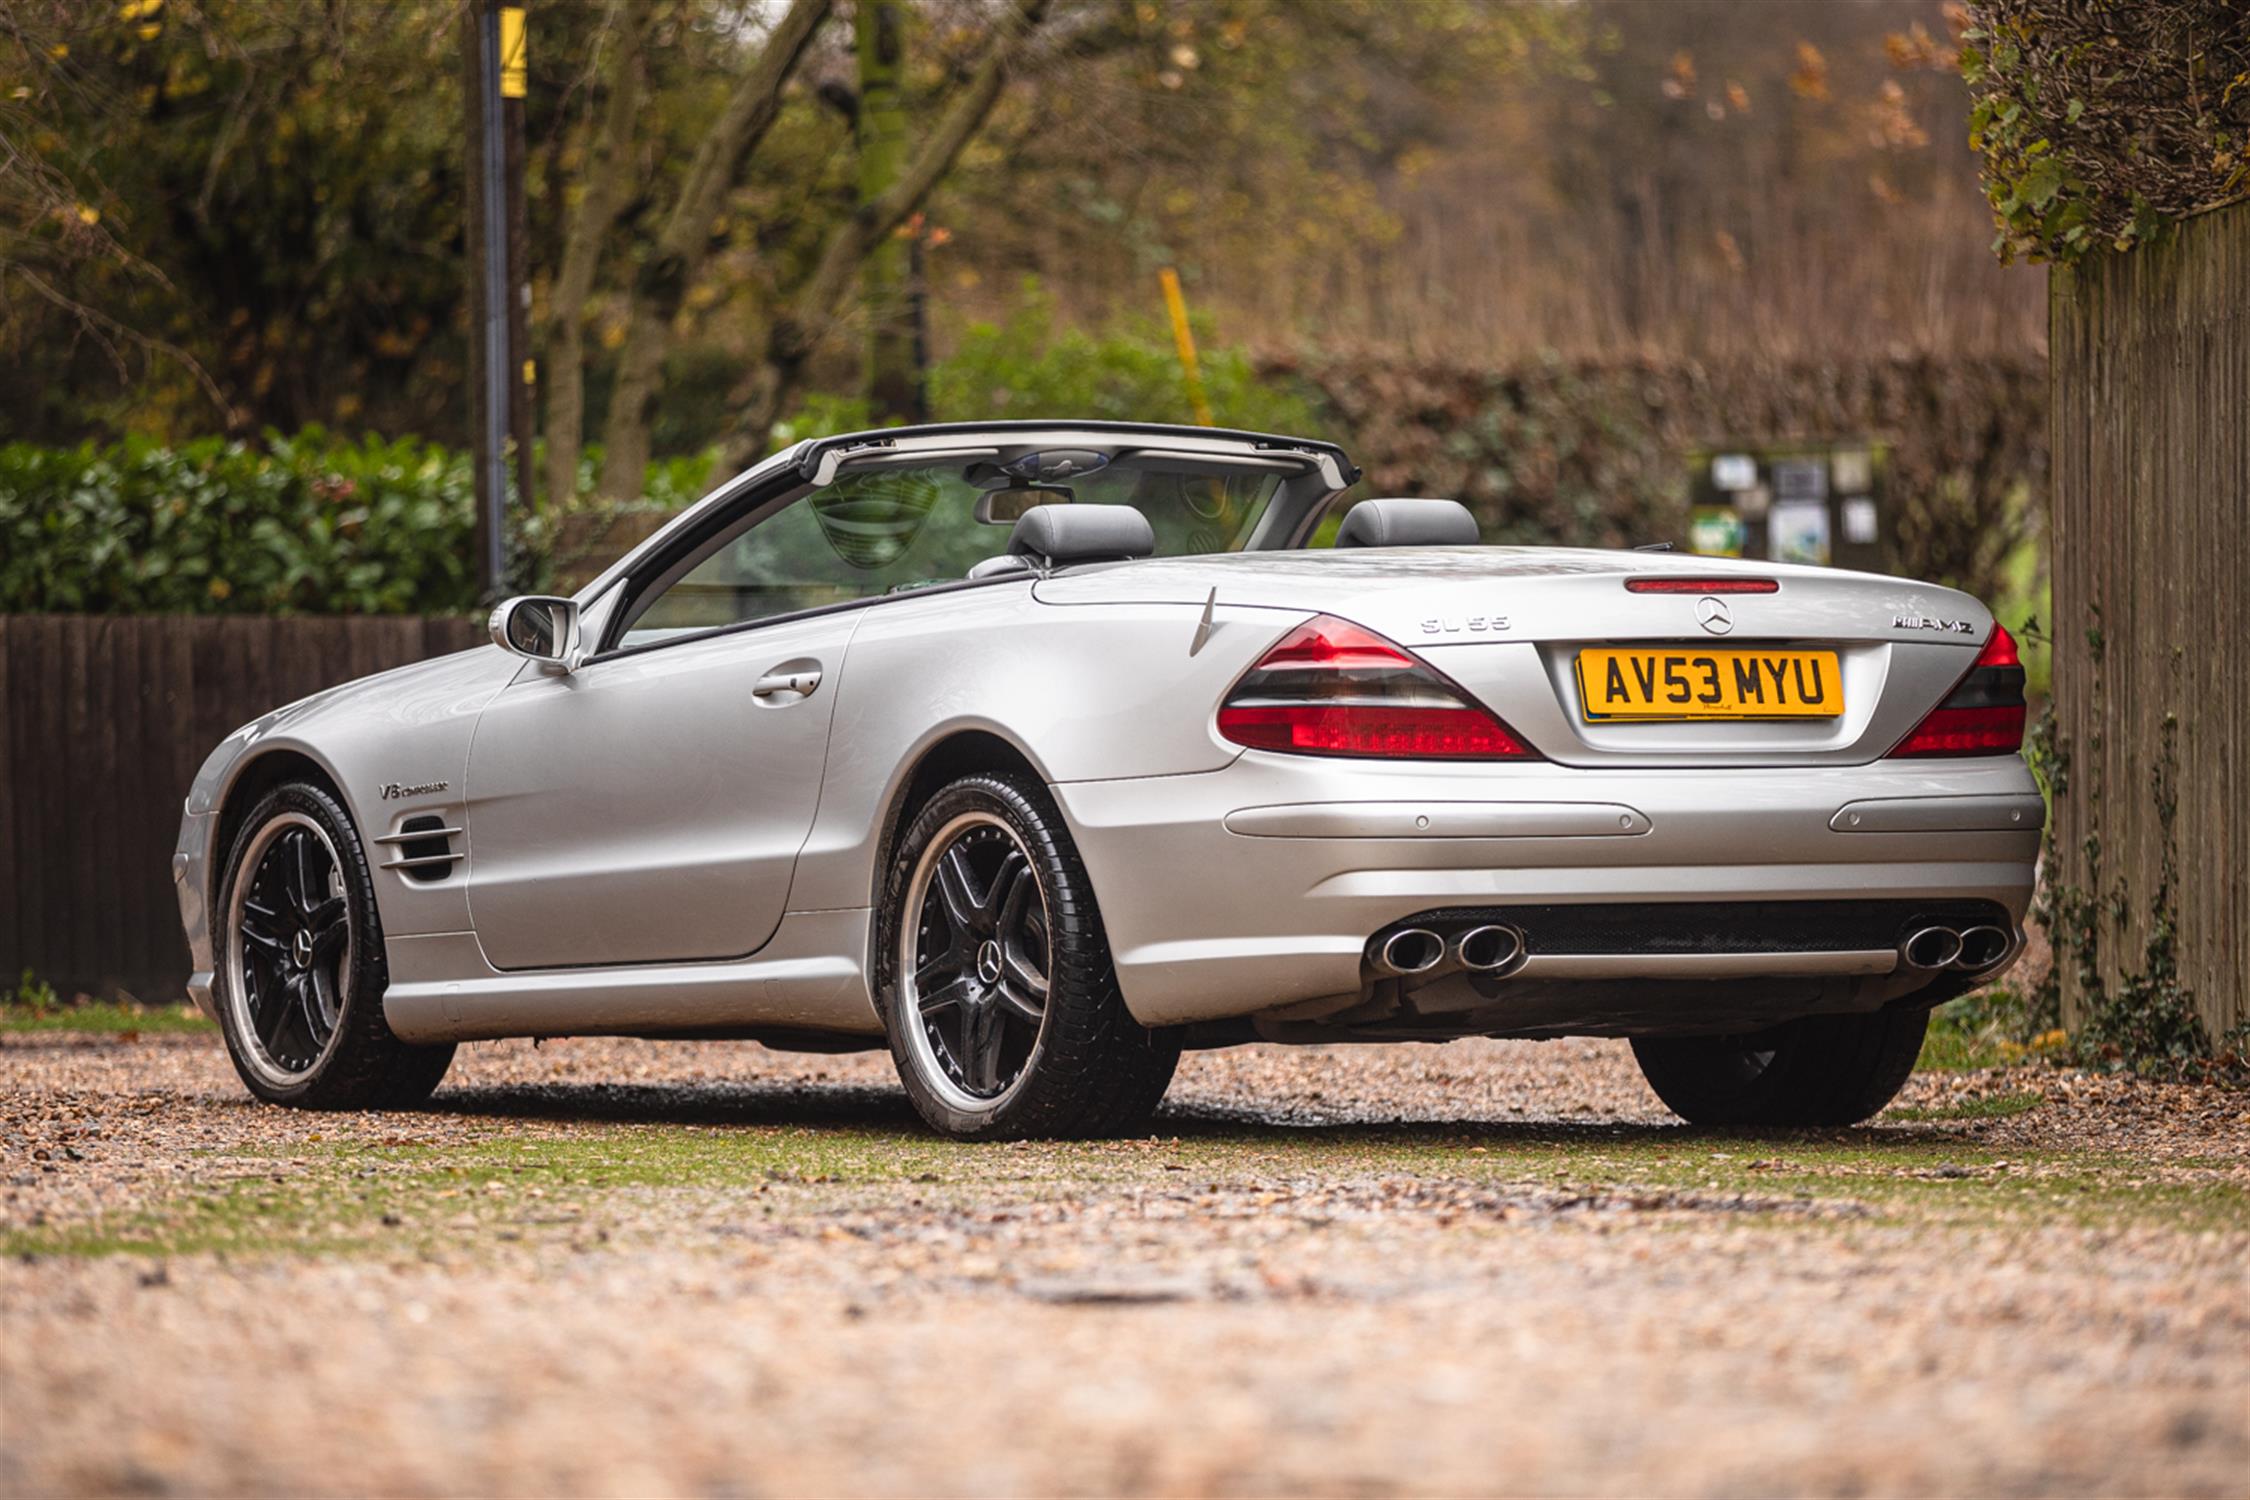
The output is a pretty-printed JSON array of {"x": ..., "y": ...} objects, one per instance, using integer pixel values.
[{"x": 1040, "y": 751}]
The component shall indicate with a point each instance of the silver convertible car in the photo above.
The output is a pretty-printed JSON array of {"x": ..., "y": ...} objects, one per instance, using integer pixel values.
[{"x": 1040, "y": 751}]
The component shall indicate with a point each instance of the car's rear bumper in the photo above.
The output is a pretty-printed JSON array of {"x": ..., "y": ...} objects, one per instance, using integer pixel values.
[{"x": 1255, "y": 888}]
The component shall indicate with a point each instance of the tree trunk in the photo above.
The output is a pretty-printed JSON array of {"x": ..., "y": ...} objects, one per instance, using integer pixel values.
[
  {"x": 893, "y": 376},
  {"x": 661, "y": 287},
  {"x": 607, "y": 188},
  {"x": 791, "y": 334}
]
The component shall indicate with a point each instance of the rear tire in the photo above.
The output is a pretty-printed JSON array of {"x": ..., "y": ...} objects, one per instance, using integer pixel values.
[
  {"x": 1821, "y": 1070},
  {"x": 995, "y": 980},
  {"x": 301, "y": 965}
]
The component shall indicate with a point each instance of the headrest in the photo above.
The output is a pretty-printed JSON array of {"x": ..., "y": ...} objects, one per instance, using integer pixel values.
[
  {"x": 1408, "y": 523},
  {"x": 1081, "y": 533}
]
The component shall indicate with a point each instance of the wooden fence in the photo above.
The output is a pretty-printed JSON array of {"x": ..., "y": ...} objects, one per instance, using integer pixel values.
[
  {"x": 2151, "y": 529},
  {"x": 106, "y": 720}
]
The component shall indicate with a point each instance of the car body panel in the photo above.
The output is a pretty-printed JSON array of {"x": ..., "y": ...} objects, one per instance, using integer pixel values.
[
  {"x": 1507, "y": 622},
  {"x": 1205, "y": 921},
  {"x": 395, "y": 745},
  {"x": 649, "y": 807}
]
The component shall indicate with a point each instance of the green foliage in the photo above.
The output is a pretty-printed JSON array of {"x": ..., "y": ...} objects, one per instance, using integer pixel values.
[
  {"x": 1990, "y": 1028},
  {"x": 315, "y": 524},
  {"x": 1029, "y": 367},
  {"x": 308, "y": 523},
  {"x": 2149, "y": 1022},
  {"x": 36, "y": 1007},
  {"x": 2099, "y": 123},
  {"x": 33, "y": 994}
]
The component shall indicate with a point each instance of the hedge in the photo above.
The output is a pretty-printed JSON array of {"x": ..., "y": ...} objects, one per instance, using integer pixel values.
[
  {"x": 311, "y": 524},
  {"x": 302, "y": 524}
]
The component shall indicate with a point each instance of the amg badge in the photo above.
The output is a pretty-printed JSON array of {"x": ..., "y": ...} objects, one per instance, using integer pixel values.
[{"x": 1925, "y": 622}]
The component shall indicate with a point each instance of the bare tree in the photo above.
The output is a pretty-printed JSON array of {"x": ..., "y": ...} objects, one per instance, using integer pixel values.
[
  {"x": 661, "y": 285},
  {"x": 794, "y": 328},
  {"x": 606, "y": 188}
]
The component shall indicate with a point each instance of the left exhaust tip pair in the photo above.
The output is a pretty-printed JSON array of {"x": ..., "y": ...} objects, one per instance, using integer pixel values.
[{"x": 1485, "y": 949}]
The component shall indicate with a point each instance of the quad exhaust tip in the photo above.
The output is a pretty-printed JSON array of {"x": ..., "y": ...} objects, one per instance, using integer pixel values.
[
  {"x": 1410, "y": 950},
  {"x": 1983, "y": 947},
  {"x": 1488, "y": 949},
  {"x": 1932, "y": 948},
  {"x": 1973, "y": 951}
]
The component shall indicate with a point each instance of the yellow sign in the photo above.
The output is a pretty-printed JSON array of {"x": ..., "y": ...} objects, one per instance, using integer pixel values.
[
  {"x": 1184, "y": 337},
  {"x": 1686, "y": 683},
  {"x": 513, "y": 67}
]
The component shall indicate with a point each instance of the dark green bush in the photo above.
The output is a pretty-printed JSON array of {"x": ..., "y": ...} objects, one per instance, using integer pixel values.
[{"x": 309, "y": 523}]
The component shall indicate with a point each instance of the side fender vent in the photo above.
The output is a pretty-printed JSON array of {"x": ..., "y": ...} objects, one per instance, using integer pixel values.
[{"x": 423, "y": 849}]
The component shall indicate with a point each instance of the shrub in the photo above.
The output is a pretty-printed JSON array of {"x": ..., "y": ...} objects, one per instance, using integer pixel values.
[{"x": 308, "y": 523}]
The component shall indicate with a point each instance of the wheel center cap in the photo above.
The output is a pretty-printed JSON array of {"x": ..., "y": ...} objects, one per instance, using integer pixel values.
[
  {"x": 300, "y": 950},
  {"x": 988, "y": 961}
]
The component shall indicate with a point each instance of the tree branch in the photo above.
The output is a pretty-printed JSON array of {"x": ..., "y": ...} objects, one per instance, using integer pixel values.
[
  {"x": 661, "y": 286},
  {"x": 789, "y": 337},
  {"x": 607, "y": 188}
]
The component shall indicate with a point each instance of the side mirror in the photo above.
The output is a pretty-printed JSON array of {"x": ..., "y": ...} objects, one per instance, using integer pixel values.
[{"x": 539, "y": 627}]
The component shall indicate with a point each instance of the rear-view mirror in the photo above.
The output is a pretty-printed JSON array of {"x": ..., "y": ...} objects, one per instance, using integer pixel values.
[{"x": 1005, "y": 507}]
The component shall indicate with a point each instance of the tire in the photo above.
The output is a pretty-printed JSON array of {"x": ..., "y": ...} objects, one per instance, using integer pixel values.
[
  {"x": 983, "y": 886},
  {"x": 1821, "y": 1070},
  {"x": 301, "y": 968}
]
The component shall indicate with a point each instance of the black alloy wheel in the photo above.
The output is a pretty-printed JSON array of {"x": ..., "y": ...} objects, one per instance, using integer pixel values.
[
  {"x": 994, "y": 975},
  {"x": 302, "y": 967},
  {"x": 979, "y": 978},
  {"x": 294, "y": 945}
]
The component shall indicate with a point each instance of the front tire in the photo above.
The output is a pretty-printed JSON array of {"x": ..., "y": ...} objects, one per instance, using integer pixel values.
[
  {"x": 301, "y": 966},
  {"x": 1821, "y": 1070},
  {"x": 995, "y": 979}
]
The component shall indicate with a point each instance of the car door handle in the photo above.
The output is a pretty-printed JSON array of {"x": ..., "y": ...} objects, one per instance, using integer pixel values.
[{"x": 801, "y": 682}]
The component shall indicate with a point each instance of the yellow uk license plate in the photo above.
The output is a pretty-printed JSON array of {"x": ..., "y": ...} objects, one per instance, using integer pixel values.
[{"x": 1690, "y": 683}]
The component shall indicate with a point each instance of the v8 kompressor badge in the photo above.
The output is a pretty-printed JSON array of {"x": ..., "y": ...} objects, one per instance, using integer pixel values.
[{"x": 394, "y": 791}]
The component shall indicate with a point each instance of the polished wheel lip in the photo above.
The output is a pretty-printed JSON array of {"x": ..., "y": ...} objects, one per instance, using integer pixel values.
[
  {"x": 914, "y": 1028},
  {"x": 235, "y": 957}
]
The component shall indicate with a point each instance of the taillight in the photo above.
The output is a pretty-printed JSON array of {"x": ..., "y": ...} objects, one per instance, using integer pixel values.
[
  {"x": 1984, "y": 713},
  {"x": 1330, "y": 687}
]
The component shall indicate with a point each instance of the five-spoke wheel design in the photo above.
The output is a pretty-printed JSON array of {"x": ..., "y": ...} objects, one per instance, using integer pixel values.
[
  {"x": 973, "y": 960},
  {"x": 289, "y": 949}
]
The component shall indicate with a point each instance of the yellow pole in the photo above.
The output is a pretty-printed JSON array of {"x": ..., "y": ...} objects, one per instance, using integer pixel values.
[{"x": 1185, "y": 338}]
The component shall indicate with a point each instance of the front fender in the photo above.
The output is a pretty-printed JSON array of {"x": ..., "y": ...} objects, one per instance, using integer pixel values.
[{"x": 406, "y": 728}]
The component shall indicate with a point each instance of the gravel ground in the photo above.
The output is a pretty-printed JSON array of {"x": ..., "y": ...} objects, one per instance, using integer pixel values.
[{"x": 606, "y": 1266}]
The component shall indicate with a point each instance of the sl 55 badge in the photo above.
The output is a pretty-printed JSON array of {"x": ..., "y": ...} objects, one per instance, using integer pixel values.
[
  {"x": 1472, "y": 624},
  {"x": 1927, "y": 622}
]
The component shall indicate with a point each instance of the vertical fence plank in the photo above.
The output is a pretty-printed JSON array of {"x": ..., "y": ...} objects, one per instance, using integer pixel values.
[
  {"x": 103, "y": 724},
  {"x": 2151, "y": 526},
  {"x": 11, "y": 871},
  {"x": 32, "y": 710}
]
